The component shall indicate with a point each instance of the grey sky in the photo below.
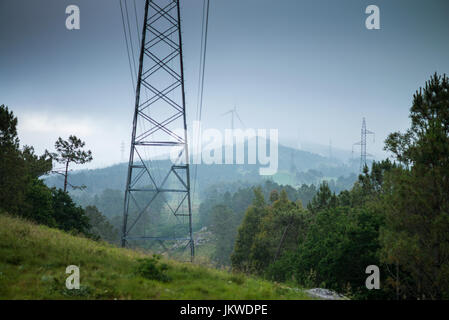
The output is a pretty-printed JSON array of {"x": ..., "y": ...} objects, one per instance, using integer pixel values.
[{"x": 309, "y": 68}]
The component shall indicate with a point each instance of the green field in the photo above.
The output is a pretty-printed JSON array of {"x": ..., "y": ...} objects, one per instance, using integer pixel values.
[{"x": 33, "y": 260}]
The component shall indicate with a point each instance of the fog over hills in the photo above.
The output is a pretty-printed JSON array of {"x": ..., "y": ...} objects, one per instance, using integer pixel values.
[{"x": 295, "y": 167}]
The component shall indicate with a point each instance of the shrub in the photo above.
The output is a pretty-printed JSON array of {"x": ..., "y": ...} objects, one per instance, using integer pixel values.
[{"x": 153, "y": 269}]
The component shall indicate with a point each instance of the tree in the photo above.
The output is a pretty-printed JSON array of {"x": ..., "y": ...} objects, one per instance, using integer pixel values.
[
  {"x": 368, "y": 187},
  {"x": 247, "y": 233},
  {"x": 23, "y": 193},
  {"x": 288, "y": 218},
  {"x": 324, "y": 198},
  {"x": 38, "y": 203},
  {"x": 425, "y": 143},
  {"x": 36, "y": 166},
  {"x": 67, "y": 215},
  {"x": 18, "y": 168},
  {"x": 278, "y": 232},
  {"x": 340, "y": 244},
  {"x": 70, "y": 151},
  {"x": 13, "y": 179},
  {"x": 100, "y": 226},
  {"x": 224, "y": 230},
  {"x": 274, "y": 196},
  {"x": 267, "y": 232},
  {"x": 8, "y": 128},
  {"x": 416, "y": 198}
]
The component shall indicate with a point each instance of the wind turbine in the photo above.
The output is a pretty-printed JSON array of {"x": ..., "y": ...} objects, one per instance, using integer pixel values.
[{"x": 233, "y": 113}]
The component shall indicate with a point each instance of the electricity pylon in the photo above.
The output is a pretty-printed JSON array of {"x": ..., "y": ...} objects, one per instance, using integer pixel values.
[
  {"x": 155, "y": 191},
  {"x": 362, "y": 144}
]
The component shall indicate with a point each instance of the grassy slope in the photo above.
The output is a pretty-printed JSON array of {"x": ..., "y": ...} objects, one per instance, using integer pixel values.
[{"x": 33, "y": 260}]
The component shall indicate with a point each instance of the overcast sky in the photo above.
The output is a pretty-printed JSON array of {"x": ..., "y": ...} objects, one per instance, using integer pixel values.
[{"x": 309, "y": 68}]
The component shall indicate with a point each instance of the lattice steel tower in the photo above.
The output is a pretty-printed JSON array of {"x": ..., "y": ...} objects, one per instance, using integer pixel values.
[
  {"x": 157, "y": 199},
  {"x": 362, "y": 144}
]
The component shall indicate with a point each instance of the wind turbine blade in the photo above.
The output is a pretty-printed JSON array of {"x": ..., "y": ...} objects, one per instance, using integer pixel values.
[
  {"x": 238, "y": 117},
  {"x": 228, "y": 112}
]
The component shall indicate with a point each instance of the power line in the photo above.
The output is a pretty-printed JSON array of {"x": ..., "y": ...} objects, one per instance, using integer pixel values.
[
  {"x": 127, "y": 46},
  {"x": 137, "y": 23},
  {"x": 205, "y": 27},
  {"x": 203, "y": 53},
  {"x": 130, "y": 39}
]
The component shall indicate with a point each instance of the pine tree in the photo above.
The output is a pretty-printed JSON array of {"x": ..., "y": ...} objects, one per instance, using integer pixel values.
[
  {"x": 416, "y": 200},
  {"x": 70, "y": 151}
]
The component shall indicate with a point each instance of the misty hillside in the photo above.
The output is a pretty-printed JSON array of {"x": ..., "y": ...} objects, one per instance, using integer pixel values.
[{"x": 295, "y": 167}]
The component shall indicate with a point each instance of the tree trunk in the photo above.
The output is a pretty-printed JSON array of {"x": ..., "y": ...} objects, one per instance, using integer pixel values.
[
  {"x": 280, "y": 243},
  {"x": 65, "y": 175}
]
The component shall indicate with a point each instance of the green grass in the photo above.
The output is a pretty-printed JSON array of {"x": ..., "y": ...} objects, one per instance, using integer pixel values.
[
  {"x": 33, "y": 260},
  {"x": 203, "y": 254}
]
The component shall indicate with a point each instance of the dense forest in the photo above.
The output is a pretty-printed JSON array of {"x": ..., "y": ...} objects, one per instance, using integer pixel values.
[
  {"x": 313, "y": 233},
  {"x": 396, "y": 217}
]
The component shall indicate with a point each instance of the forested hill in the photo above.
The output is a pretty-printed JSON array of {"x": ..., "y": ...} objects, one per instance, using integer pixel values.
[{"x": 295, "y": 167}]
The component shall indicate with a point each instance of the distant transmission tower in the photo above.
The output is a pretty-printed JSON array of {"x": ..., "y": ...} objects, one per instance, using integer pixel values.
[
  {"x": 362, "y": 144},
  {"x": 159, "y": 191}
]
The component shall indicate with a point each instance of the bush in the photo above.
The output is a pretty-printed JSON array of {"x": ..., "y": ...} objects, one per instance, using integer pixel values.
[
  {"x": 152, "y": 269},
  {"x": 237, "y": 278},
  {"x": 283, "y": 269}
]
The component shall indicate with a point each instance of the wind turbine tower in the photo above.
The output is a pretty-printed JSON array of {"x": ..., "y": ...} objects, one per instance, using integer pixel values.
[{"x": 233, "y": 112}]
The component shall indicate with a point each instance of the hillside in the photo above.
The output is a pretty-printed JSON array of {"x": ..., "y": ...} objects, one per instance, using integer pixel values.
[
  {"x": 33, "y": 260},
  {"x": 295, "y": 167}
]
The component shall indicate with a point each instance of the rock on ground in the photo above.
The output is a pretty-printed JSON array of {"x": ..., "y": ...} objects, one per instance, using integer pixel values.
[{"x": 325, "y": 294}]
